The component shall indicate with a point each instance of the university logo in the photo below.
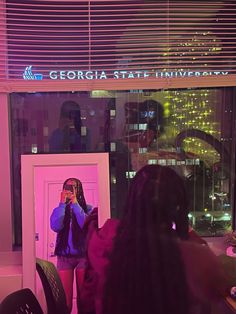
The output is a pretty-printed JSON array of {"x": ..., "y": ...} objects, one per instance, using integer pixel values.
[{"x": 28, "y": 74}]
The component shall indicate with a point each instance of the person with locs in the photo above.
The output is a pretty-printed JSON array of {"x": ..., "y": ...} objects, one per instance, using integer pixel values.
[
  {"x": 147, "y": 261},
  {"x": 67, "y": 220}
]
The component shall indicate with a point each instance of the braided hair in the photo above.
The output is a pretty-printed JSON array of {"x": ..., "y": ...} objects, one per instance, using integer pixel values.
[
  {"x": 146, "y": 273},
  {"x": 78, "y": 235}
]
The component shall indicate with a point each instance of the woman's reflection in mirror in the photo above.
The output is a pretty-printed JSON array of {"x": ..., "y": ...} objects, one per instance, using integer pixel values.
[{"x": 67, "y": 220}]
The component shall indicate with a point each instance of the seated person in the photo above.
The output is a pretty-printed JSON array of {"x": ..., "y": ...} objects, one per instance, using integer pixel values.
[{"x": 142, "y": 264}]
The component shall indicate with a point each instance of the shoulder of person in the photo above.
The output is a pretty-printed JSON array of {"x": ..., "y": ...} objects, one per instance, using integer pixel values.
[
  {"x": 204, "y": 273},
  {"x": 100, "y": 245},
  {"x": 109, "y": 228},
  {"x": 193, "y": 250},
  {"x": 56, "y": 132},
  {"x": 104, "y": 236},
  {"x": 199, "y": 256},
  {"x": 194, "y": 237}
]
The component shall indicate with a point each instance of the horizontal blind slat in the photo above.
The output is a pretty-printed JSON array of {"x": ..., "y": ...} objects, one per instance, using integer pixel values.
[{"x": 111, "y": 35}]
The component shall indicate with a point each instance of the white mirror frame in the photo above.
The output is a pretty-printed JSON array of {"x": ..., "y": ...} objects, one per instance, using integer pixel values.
[{"x": 28, "y": 164}]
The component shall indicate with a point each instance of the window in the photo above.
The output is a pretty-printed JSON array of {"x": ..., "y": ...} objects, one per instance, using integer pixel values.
[{"x": 189, "y": 130}]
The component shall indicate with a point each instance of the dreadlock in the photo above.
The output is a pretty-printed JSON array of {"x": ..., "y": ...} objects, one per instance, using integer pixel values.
[
  {"x": 146, "y": 272},
  {"x": 78, "y": 236}
]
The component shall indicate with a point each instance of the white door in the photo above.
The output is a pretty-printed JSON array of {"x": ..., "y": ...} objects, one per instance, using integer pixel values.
[{"x": 49, "y": 181}]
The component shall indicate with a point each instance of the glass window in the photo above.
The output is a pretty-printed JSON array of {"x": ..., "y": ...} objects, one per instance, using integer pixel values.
[{"x": 189, "y": 130}]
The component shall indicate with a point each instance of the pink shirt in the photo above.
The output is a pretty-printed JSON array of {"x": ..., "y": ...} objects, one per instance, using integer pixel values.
[{"x": 204, "y": 276}]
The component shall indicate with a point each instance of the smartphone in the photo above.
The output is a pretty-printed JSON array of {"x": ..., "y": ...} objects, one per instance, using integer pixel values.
[{"x": 69, "y": 187}]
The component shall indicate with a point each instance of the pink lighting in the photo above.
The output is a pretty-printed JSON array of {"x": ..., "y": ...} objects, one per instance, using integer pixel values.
[{"x": 42, "y": 176}]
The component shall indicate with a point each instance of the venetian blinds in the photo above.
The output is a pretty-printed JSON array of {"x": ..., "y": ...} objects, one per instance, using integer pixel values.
[{"x": 152, "y": 38}]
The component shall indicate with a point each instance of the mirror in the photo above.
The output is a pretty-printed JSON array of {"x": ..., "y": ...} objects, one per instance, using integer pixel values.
[{"x": 42, "y": 180}]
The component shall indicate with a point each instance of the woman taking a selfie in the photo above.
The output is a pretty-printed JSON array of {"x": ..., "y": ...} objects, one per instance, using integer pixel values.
[{"x": 67, "y": 220}]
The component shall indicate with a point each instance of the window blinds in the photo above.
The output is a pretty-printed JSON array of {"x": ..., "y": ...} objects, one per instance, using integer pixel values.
[{"x": 116, "y": 39}]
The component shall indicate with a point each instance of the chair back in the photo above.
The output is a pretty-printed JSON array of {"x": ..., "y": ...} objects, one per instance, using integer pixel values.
[
  {"x": 21, "y": 301},
  {"x": 52, "y": 286}
]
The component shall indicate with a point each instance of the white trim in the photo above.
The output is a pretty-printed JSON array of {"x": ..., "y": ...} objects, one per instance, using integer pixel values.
[
  {"x": 28, "y": 163},
  {"x": 6, "y": 223},
  {"x": 32, "y": 86}
]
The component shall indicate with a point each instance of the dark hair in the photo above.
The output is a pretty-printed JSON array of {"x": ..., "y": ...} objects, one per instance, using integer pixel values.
[
  {"x": 155, "y": 122},
  {"x": 146, "y": 273},
  {"x": 71, "y": 110},
  {"x": 77, "y": 232},
  {"x": 157, "y": 197}
]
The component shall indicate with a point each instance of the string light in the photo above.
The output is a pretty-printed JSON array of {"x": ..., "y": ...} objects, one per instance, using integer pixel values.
[{"x": 193, "y": 109}]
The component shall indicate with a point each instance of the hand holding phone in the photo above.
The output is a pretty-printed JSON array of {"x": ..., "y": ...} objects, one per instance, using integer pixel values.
[
  {"x": 66, "y": 193},
  {"x": 69, "y": 187},
  {"x": 73, "y": 196},
  {"x": 69, "y": 195}
]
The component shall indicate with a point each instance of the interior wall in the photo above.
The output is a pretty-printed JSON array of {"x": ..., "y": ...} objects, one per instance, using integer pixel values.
[{"x": 6, "y": 222}]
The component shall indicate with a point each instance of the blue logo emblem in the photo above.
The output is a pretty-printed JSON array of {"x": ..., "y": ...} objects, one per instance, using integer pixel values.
[{"x": 28, "y": 74}]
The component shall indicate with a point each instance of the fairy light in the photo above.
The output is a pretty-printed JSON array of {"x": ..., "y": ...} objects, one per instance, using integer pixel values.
[{"x": 193, "y": 109}]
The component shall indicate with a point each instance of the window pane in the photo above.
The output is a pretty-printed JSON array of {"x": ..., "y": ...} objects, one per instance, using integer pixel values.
[{"x": 189, "y": 130}]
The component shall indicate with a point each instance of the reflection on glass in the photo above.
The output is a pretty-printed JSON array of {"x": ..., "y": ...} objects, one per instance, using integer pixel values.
[
  {"x": 140, "y": 128},
  {"x": 68, "y": 136}
]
